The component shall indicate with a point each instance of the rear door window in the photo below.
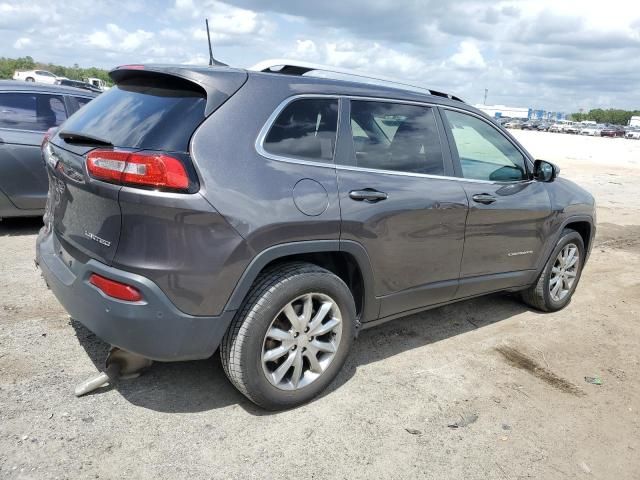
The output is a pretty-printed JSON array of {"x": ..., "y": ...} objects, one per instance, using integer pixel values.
[
  {"x": 396, "y": 137},
  {"x": 31, "y": 111},
  {"x": 305, "y": 129},
  {"x": 147, "y": 114}
]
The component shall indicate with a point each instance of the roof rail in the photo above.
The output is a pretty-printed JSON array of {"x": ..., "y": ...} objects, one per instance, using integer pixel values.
[{"x": 296, "y": 67}]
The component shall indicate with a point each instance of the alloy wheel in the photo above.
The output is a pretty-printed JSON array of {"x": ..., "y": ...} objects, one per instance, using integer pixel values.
[
  {"x": 564, "y": 272},
  {"x": 301, "y": 341}
]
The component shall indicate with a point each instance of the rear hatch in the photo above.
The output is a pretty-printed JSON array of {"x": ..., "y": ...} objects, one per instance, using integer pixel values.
[{"x": 152, "y": 110}]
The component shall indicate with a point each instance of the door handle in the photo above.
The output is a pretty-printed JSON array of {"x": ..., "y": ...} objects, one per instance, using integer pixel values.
[
  {"x": 368, "y": 195},
  {"x": 484, "y": 198}
]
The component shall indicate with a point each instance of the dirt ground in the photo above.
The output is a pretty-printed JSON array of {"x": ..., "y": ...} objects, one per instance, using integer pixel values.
[{"x": 484, "y": 389}]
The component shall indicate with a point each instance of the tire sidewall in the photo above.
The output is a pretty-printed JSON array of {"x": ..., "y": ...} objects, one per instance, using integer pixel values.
[
  {"x": 262, "y": 314},
  {"x": 568, "y": 237}
]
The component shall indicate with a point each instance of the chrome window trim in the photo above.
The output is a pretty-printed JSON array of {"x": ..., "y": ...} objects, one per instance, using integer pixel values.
[{"x": 301, "y": 161}]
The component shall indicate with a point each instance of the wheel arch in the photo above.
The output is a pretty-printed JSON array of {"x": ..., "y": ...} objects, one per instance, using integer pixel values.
[
  {"x": 346, "y": 259},
  {"x": 584, "y": 228},
  {"x": 583, "y": 224}
]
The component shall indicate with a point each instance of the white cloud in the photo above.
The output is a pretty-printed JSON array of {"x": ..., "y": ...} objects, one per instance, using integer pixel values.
[
  {"x": 21, "y": 43},
  {"x": 543, "y": 53},
  {"x": 468, "y": 56},
  {"x": 100, "y": 40},
  {"x": 305, "y": 49}
]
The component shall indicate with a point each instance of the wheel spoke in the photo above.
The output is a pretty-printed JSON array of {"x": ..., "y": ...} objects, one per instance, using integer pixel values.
[
  {"x": 327, "y": 347},
  {"x": 275, "y": 353},
  {"x": 555, "y": 270},
  {"x": 306, "y": 310},
  {"x": 571, "y": 273},
  {"x": 284, "y": 368},
  {"x": 292, "y": 316},
  {"x": 325, "y": 327},
  {"x": 311, "y": 355},
  {"x": 554, "y": 280},
  {"x": 572, "y": 261},
  {"x": 297, "y": 369},
  {"x": 556, "y": 289},
  {"x": 279, "y": 334},
  {"x": 320, "y": 315}
]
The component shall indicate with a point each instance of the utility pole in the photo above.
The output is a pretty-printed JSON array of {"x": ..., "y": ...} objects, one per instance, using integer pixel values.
[{"x": 486, "y": 90}]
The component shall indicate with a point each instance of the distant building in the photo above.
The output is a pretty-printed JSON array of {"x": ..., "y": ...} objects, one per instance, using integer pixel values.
[
  {"x": 634, "y": 122},
  {"x": 497, "y": 111}
]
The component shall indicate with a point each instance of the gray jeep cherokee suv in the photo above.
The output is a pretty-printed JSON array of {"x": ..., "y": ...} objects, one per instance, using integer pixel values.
[{"x": 273, "y": 214}]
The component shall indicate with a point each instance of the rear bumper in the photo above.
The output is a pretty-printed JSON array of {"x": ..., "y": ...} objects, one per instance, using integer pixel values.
[{"x": 153, "y": 327}]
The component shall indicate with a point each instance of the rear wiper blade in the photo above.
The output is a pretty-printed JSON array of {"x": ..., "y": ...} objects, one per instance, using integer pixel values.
[{"x": 84, "y": 139}]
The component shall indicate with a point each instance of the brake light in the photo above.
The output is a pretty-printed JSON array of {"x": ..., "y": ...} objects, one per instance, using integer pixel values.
[
  {"x": 151, "y": 169},
  {"x": 114, "y": 289},
  {"x": 47, "y": 136},
  {"x": 131, "y": 67}
]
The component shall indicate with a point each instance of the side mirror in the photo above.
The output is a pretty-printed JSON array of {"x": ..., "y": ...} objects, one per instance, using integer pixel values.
[{"x": 544, "y": 171}]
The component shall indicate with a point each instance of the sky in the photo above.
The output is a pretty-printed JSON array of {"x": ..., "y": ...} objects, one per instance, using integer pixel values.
[{"x": 558, "y": 55}]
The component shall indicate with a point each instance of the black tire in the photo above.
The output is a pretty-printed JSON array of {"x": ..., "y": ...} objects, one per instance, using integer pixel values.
[
  {"x": 29, "y": 79},
  {"x": 538, "y": 295},
  {"x": 242, "y": 345}
]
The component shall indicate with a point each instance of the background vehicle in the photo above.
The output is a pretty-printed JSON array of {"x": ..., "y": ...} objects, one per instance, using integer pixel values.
[
  {"x": 530, "y": 125},
  {"x": 612, "y": 131},
  {"x": 544, "y": 127},
  {"x": 591, "y": 130},
  {"x": 78, "y": 84},
  {"x": 633, "y": 134},
  {"x": 40, "y": 76},
  {"x": 517, "y": 124},
  {"x": 97, "y": 83},
  {"x": 278, "y": 217},
  {"x": 27, "y": 111},
  {"x": 571, "y": 127}
]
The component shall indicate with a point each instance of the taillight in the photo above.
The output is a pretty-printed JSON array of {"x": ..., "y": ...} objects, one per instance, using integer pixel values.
[
  {"x": 47, "y": 136},
  {"x": 151, "y": 169},
  {"x": 114, "y": 289}
]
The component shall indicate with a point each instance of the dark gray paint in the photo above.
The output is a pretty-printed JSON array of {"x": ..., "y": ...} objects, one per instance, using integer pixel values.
[{"x": 427, "y": 244}]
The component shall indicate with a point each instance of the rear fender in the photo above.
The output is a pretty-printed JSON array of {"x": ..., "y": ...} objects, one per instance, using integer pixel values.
[{"x": 371, "y": 303}]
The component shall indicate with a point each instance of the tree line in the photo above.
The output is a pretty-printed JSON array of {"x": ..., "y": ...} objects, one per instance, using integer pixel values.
[
  {"x": 10, "y": 65},
  {"x": 611, "y": 115}
]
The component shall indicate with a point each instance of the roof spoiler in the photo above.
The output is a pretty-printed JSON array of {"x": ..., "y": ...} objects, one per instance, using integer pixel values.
[
  {"x": 295, "y": 67},
  {"x": 218, "y": 83}
]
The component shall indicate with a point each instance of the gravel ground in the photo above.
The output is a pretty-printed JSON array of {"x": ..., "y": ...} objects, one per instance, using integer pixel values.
[{"x": 482, "y": 389}]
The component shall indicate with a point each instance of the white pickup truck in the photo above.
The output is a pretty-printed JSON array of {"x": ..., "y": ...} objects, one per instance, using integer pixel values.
[{"x": 41, "y": 76}]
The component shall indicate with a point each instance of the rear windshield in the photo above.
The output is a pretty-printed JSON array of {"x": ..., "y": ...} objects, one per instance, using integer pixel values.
[{"x": 143, "y": 114}]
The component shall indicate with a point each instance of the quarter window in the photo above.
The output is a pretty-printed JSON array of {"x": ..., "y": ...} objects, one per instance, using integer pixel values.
[
  {"x": 305, "y": 129},
  {"x": 31, "y": 111},
  {"x": 485, "y": 154},
  {"x": 397, "y": 137}
]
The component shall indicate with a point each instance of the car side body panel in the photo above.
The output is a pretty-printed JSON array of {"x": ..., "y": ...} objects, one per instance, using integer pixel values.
[
  {"x": 23, "y": 177},
  {"x": 22, "y": 174}
]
